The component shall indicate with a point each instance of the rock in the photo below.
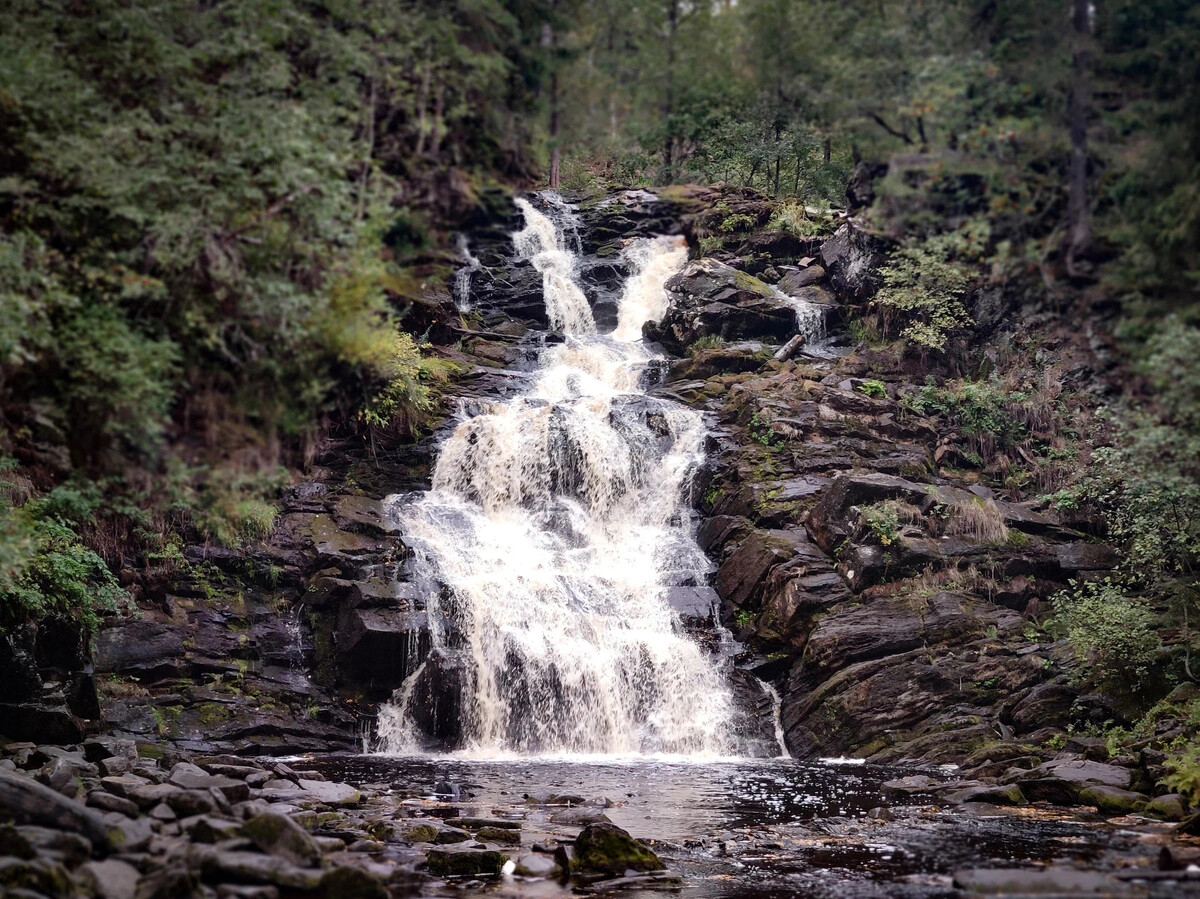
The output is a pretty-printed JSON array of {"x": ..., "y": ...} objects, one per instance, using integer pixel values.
[
  {"x": 462, "y": 860},
  {"x": 804, "y": 277},
  {"x": 375, "y": 644},
  {"x": 538, "y": 864},
  {"x": 280, "y": 835},
  {"x": 996, "y": 794},
  {"x": 473, "y": 823},
  {"x": 139, "y": 646},
  {"x": 1087, "y": 557},
  {"x": 912, "y": 785},
  {"x": 128, "y": 834},
  {"x": 452, "y": 835},
  {"x": 210, "y": 829},
  {"x": 607, "y": 849},
  {"x": 420, "y": 833},
  {"x": 1113, "y": 801},
  {"x": 232, "y": 789},
  {"x": 852, "y": 258},
  {"x": 111, "y": 879},
  {"x": 222, "y": 866},
  {"x": 498, "y": 835},
  {"x": 1062, "y": 781},
  {"x": 348, "y": 882},
  {"x": 26, "y": 800},
  {"x": 1033, "y": 881},
  {"x": 579, "y": 817},
  {"x": 711, "y": 299},
  {"x": 1169, "y": 807}
]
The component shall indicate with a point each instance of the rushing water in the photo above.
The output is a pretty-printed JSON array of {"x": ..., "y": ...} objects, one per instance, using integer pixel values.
[{"x": 558, "y": 521}]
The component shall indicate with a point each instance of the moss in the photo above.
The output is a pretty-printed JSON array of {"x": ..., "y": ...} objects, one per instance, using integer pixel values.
[
  {"x": 212, "y": 714},
  {"x": 498, "y": 835},
  {"x": 421, "y": 833},
  {"x": 607, "y": 849}
]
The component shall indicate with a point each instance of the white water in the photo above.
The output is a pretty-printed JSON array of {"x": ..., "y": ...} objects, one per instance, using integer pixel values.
[
  {"x": 557, "y": 521},
  {"x": 544, "y": 246},
  {"x": 462, "y": 277}
]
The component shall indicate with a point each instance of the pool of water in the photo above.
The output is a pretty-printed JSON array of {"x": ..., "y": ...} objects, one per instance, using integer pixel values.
[{"x": 748, "y": 829}]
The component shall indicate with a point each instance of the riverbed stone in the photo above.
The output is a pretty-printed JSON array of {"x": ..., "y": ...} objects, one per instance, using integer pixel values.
[
  {"x": 280, "y": 835},
  {"x": 110, "y": 879},
  {"x": 1113, "y": 801},
  {"x": 1033, "y": 881},
  {"x": 607, "y": 849},
  {"x": 464, "y": 860}
]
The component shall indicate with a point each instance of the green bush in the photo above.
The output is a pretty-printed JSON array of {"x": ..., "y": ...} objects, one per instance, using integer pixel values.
[
  {"x": 1113, "y": 635},
  {"x": 923, "y": 287},
  {"x": 45, "y": 568}
]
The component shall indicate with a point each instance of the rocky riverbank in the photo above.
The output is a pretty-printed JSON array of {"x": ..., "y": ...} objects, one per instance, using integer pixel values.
[{"x": 99, "y": 820}]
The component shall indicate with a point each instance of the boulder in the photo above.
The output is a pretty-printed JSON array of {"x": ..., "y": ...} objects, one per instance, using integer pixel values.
[
  {"x": 25, "y": 800},
  {"x": 607, "y": 849},
  {"x": 464, "y": 860},
  {"x": 852, "y": 258},
  {"x": 800, "y": 278},
  {"x": 376, "y": 644},
  {"x": 279, "y": 835},
  {"x": 711, "y": 299}
]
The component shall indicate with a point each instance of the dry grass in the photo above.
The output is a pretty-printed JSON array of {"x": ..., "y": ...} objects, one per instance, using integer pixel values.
[{"x": 980, "y": 520}]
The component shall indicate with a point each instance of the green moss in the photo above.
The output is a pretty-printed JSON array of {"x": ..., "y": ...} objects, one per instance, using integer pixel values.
[{"x": 607, "y": 849}]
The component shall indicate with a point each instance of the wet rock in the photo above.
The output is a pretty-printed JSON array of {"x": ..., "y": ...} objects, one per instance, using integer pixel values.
[
  {"x": 805, "y": 277},
  {"x": 578, "y": 817},
  {"x": 381, "y": 645},
  {"x": 498, "y": 835},
  {"x": 209, "y": 829},
  {"x": 143, "y": 647},
  {"x": 420, "y": 833},
  {"x": 452, "y": 835},
  {"x": 1062, "y": 781},
  {"x": 711, "y": 299},
  {"x": 463, "y": 860},
  {"x": 281, "y": 836},
  {"x": 537, "y": 864},
  {"x": 852, "y": 258},
  {"x": 347, "y": 882},
  {"x": 995, "y": 794},
  {"x": 607, "y": 849},
  {"x": 128, "y": 834}
]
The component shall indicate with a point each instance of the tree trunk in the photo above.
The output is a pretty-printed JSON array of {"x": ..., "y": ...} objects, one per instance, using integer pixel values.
[
  {"x": 669, "y": 109},
  {"x": 1079, "y": 216}
]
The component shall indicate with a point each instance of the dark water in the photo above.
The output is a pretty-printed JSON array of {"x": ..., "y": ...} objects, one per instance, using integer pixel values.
[{"x": 755, "y": 830}]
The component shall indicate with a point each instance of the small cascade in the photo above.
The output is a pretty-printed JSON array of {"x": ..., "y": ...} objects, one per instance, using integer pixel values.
[
  {"x": 810, "y": 317},
  {"x": 542, "y": 243},
  {"x": 645, "y": 299},
  {"x": 776, "y": 716},
  {"x": 463, "y": 275}
]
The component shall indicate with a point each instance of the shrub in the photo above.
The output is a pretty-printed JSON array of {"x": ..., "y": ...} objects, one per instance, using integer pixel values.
[
  {"x": 874, "y": 388},
  {"x": 1112, "y": 634},
  {"x": 923, "y": 287},
  {"x": 46, "y": 570}
]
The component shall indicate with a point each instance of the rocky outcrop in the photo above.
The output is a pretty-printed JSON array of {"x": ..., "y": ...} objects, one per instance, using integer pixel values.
[{"x": 711, "y": 299}]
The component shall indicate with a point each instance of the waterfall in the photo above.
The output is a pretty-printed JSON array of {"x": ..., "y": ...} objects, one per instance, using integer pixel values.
[
  {"x": 462, "y": 277},
  {"x": 542, "y": 243},
  {"x": 557, "y": 523}
]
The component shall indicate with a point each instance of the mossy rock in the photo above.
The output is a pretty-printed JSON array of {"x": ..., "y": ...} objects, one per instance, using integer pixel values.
[
  {"x": 279, "y": 835},
  {"x": 607, "y": 849},
  {"x": 498, "y": 835},
  {"x": 421, "y": 833},
  {"x": 465, "y": 862},
  {"x": 1113, "y": 801}
]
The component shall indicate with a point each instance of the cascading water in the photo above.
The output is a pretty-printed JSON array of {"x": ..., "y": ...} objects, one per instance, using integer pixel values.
[
  {"x": 462, "y": 277},
  {"x": 558, "y": 521}
]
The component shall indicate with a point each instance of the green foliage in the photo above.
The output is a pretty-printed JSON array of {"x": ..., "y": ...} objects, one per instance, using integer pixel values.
[
  {"x": 923, "y": 286},
  {"x": 991, "y": 416},
  {"x": 45, "y": 568},
  {"x": 1113, "y": 635},
  {"x": 882, "y": 521},
  {"x": 1184, "y": 773},
  {"x": 872, "y": 387}
]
